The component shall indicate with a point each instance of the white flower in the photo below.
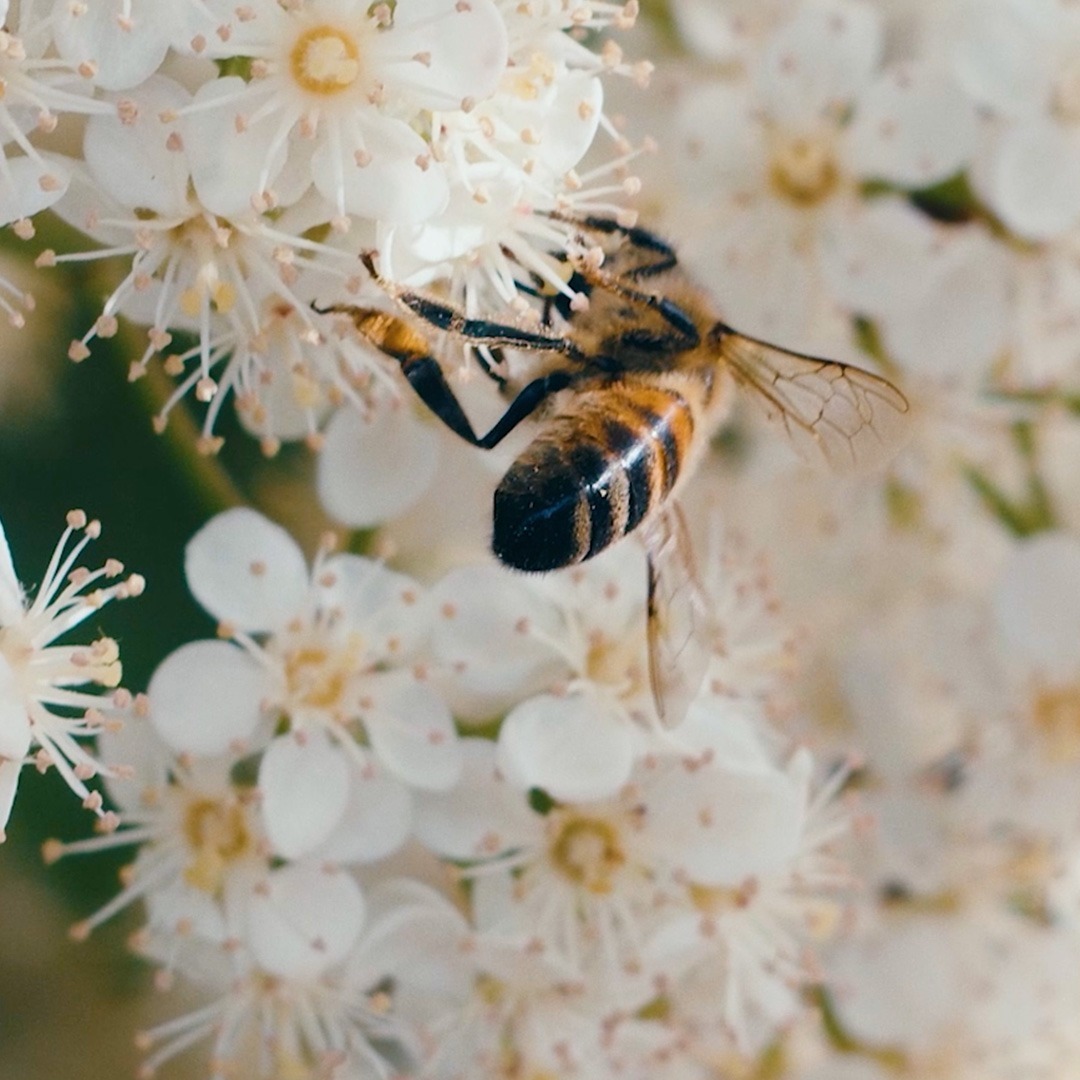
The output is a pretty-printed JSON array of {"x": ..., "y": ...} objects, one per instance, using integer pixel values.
[
  {"x": 38, "y": 91},
  {"x": 203, "y": 261},
  {"x": 323, "y": 980},
  {"x": 202, "y": 847},
  {"x": 42, "y": 707},
  {"x": 590, "y": 881},
  {"x": 327, "y": 653},
  {"x": 570, "y": 659},
  {"x": 731, "y": 962},
  {"x": 352, "y": 82}
]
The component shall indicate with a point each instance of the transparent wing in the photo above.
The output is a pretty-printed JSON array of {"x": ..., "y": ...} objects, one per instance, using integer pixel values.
[
  {"x": 679, "y": 634},
  {"x": 850, "y": 418}
]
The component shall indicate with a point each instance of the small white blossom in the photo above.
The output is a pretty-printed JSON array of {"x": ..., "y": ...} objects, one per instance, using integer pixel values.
[
  {"x": 44, "y": 711},
  {"x": 329, "y": 653}
]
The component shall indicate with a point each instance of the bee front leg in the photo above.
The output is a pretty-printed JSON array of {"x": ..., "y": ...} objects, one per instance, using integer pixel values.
[{"x": 656, "y": 254}]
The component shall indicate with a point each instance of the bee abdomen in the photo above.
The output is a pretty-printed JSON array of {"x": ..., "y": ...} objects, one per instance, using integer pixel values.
[{"x": 592, "y": 477}]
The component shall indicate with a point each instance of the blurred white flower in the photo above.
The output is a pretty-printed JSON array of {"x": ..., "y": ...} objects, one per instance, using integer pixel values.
[
  {"x": 786, "y": 151},
  {"x": 324, "y": 980},
  {"x": 43, "y": 711},
  {"x": 1018, "y": 59}
]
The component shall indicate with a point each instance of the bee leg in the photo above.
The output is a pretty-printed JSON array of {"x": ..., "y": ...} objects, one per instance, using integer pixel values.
[
  {"x": 489, "y": 359},
  {"x": 444, "y": 316},
  {"x": 427, "y": 379},
  {"x": 483, "y": 331},
  {"x": 657, "y": 254}
]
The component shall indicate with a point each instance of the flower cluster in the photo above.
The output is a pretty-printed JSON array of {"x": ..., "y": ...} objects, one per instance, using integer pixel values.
[
  {"x": 611, "y": 872},
  {"x": 238, "y": 158},
  {"x": 411, "y": 815}
]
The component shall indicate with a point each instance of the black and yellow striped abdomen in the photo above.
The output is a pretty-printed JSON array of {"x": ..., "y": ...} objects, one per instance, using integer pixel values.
[{"x": 593, "y": 475}]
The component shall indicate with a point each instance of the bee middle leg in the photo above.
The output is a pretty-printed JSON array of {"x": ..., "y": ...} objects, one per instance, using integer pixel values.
[{"x": 426, "y": 377}]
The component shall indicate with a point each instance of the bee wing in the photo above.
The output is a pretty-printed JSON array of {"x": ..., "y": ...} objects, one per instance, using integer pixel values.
[
  {"x": 852, "y": 419},
  {"x": 678, "y": 622}
]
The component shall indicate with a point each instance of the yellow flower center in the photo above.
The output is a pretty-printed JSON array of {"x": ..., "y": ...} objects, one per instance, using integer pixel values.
[
  {"x": 804, "y": 170},
  {"x": 587, "y": 851},
  {"x": 217, "y": 834},
  {"x": 325, "y": 60},
  {"x": 615, "y": 664},
  {"x": 318, "y": 677},
  {"x": 1055, "y": 711}
]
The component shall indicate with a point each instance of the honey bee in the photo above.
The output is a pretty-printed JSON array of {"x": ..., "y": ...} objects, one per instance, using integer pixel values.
[{"x": 636, "y": 381}]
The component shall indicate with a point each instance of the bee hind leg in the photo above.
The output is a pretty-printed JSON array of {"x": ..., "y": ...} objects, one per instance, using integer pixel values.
[{"x": 426, "y": 377}]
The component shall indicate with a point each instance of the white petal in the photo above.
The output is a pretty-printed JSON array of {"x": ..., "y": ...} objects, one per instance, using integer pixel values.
[
  {"x": 304, "y": 919},
  {"x": 723, "y": 134},
  {"x": 722, "y": 827},
  {"x": 131, "y": 159},
  {"x": 417, "y": 938},
  {"x": 412, "y": 733},
  {"x": 363, "y": 589},
  {"x": 231, "y": 163},
  {"x": 1034, "y": 180},
  {"x": 14, "y": 718},
  {"x": 561, "y": 121},
  {"x": 1002, "y": 55},
  {"x": 9, "y": 786},
  {"x": 29, "y": 186},
  {"x": 182, "y": 906},
  {"x": 11, "y": 594},
  {"x": 205, "y": 697},
  {"x": 400, "y": 181},
  {"x": 123, "y": 51},
  {"x": 481, "y": 817},
  {"x": 730, "y": 740},
  {"x": 576, "y": 747},
  {"x": 137, "y": 746},
  {"x": 478, "y": 606},
  {"x": 912, "y": 126},
  {"x": 1037, "y": 604},
  {"x": 246, "y": 571},
  {"x": 387, "y": 608},
  {"x": 371, "y": 469},
  {"x": 959, "y": 326},
  {"x": 304, "y": 788},
  {"x": 819, "y": 59},
  {"x": 376, "y": 821},
  {"x": 876, "y": 256},
  {"x": 464, "y": 50}
]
